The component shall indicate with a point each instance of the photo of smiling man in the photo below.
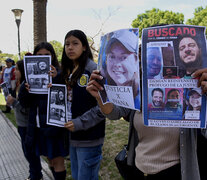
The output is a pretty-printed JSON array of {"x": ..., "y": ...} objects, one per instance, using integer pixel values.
[
  {"x": 189, "y": 55},
  {"x": 120, "y": 63}
]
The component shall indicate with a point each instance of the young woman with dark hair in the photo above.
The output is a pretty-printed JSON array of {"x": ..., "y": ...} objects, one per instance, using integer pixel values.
[
  {"x": 50, "y": 141},
  {"x": 51, "y": 51},
  {"x": 85, "y": 121}
]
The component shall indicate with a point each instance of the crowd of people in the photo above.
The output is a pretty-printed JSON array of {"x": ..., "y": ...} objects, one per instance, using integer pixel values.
[
  {"x": 8, "y": 76},
  {"x": 83, "y": 134},
  {"x": 151, "y": 150}
]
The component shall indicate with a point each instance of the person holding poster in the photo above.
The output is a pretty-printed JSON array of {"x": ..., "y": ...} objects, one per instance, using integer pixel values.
[
  {"x": 121, "y": 66},
  {"x": 50, "y": 141},
  {"x": 201, "y": 75},
  {"x": 87, "y": 125},
  {"x": 151, "y": 148}
]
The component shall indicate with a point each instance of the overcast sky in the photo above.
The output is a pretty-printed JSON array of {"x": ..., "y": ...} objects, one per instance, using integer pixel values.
[{"x": 65, "y": 15}]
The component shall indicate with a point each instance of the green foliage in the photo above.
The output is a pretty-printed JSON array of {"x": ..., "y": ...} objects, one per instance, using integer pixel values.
[
  {"x": 200, "y": 17},
  {"x": 10, "y": 115},
  {"x": 155, "y": 17},
  {"x": 58, "y": 48},
  {"x": 4, "y": 56},
  {"x": 2, "y": 99},
  {"x": 15, "y": 57}
]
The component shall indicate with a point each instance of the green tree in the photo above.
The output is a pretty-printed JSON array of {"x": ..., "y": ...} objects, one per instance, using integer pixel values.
[
  {"x": 58, "y": 48},
  {"x": 4, "y": 56},
  {"x": 156, "y": 16},
  {"x": 200, "y": 17}
]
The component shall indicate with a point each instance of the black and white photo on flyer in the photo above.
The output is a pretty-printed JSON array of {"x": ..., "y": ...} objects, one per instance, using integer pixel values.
[
  {"x": 37, "y": 73},
  {"x": 57, "y": 105}
]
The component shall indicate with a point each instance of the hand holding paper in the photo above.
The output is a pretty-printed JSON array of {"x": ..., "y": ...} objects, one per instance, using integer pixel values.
[{"x": 93, "y": 85}]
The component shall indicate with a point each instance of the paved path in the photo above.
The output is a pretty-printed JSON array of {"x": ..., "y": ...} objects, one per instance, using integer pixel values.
[{"x": 13, "y": 165}]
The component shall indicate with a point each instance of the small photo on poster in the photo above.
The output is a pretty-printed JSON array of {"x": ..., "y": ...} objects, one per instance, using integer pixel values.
[
  {"x": 57, "y": 103},
  {"x": 37, "y": 73},
  {"x": 170, "y": 72},
  {"x": 192, "y": 103},
  {"x": 159, "y": 54},
  {"x": 174, "y": 103},
  {"x": 189, "y": 52}
]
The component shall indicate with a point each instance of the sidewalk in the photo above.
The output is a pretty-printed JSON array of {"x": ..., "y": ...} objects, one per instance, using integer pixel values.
[{"x": 13, "y": 165}]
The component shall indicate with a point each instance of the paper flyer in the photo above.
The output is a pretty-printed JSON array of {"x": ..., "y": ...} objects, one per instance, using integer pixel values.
[
  {"x": 170, "y": 54},
  {"x": 118, "y": 63}
]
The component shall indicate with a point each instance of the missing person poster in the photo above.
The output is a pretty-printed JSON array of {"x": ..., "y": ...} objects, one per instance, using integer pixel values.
[
  {"x": 5, "y": 89},
  {"x": 37, "y": 73},
  {"x": 56, "y": 108},
  {"x": 170, "y": 55},
  {"x": 118, "y": 63}
]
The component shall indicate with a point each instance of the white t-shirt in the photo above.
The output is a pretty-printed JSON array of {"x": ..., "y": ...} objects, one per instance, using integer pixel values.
[{"x": 7, "y": 76}]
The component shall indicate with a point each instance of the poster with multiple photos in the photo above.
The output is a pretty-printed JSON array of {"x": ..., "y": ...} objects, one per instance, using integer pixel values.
[
  {"x": 118, "y": 63},
  {"x": 57, "y": 105},
  {"x": 5, "y": 89},
  {"x": 36, "y": 73},
  {"x": 170, "y": 55}
]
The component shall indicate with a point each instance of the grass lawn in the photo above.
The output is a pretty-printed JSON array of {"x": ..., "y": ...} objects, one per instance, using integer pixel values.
[
  {"x": 10, "y": 116},
  {"x": 116, "y": 137}
]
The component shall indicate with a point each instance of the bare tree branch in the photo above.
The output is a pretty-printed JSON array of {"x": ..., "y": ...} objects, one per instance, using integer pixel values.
[{"x": 111, "y": 12}]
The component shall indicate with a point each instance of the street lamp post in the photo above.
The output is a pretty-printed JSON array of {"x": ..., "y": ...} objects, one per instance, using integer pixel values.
[{"x": 18, "y": 14}]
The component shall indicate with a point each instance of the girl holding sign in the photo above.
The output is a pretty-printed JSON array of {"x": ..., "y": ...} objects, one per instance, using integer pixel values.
[
  {"x": 85, "y": 121},
  {"x": 50, "y": 141}
]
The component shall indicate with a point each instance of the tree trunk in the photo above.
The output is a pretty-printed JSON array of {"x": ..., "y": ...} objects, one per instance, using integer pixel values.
[{"x": 40, "y": 22}]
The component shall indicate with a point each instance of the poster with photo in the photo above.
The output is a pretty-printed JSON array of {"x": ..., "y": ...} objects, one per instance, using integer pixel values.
[
  {"x": 36, "y": 73},
  {"x": 5, "y": 89},
  {"x": 170, "y": 55},
  {"x": 118, "y": 63},
  {"x": 57, "y": 103}
]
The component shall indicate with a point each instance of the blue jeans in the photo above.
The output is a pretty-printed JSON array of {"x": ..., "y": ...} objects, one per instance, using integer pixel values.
[
  {"x": 85, "y": 162},
  {"x": 33, "y": 160}
]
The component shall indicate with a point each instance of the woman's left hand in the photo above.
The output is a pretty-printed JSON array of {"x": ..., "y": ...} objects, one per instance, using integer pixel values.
[
  {"x": 70, "y": 126},
  {"x": 53, "y": 71},
  {"x": 201, "y": 75}
]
